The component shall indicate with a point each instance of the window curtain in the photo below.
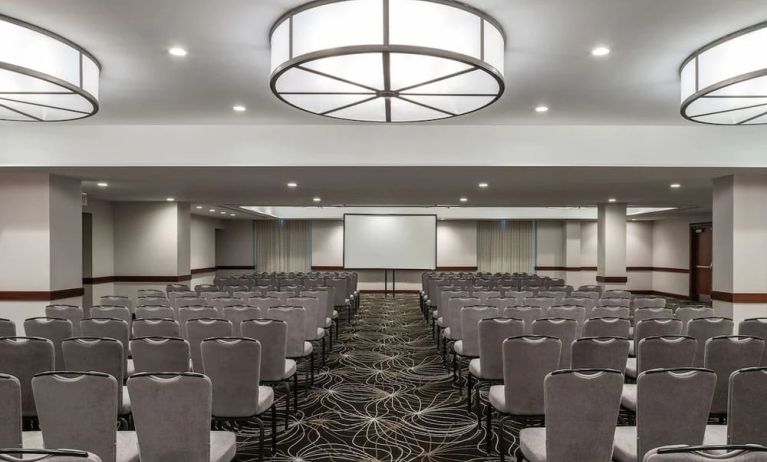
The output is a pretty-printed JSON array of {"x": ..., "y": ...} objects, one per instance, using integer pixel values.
[
  {"x": 505, "y": 246},
  {"x": 283, "y": 245}
]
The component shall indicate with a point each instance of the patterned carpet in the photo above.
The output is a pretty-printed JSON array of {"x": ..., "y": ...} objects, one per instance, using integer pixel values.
[{"x": 386, "y": 396}]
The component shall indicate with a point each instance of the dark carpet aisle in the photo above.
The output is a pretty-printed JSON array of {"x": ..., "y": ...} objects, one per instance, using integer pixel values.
[{"x": 387, "y": 397}]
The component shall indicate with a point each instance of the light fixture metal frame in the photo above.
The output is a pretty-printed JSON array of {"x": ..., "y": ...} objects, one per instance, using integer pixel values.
[
  {"x": 386, "y": 49},
  {"x": 49, "y": 78},
  {"x": 700, "y": 93}
]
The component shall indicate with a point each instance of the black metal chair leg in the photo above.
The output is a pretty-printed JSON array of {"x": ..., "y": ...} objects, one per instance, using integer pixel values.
[
  {"x": 274, "y": 429},
  {"x": 501, "y": 440},
  {"x": 489, "y": 429},
  {"x": 295, "y": 392},
  {"x": 468, "y": 392},
  {"x": 260, "y": 440}
]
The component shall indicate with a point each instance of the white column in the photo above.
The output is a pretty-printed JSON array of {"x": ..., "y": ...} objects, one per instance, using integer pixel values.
[
  {"x": 572, "y": 252},
  {"x": 740, "y": 246},
  {"x": 611, "y": 245},
  {"x": 40, "y": 243}
]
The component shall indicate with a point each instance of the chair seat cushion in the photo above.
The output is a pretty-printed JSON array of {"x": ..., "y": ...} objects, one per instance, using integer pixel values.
[
  {"x": 328, "y": 323},
  {"x": 290, "y": 368},
  {"x": 32, "y": 440},
  {"x": 265, "y": 399},
  {"x": 475, "y": 368},
  {"x": 625, "y": 444},
  {"x": 715, "y": 435},
  {"x": 125, "y": 408},
  {"x": 335, "y": 314},
  {"x": 127, "y": 447},
  {"x": 308, "y": 349},
  {"x": 629, "y": 396},
  {"x": 223, "y": 446},
  {"x": 458, "y": 347},
  {"x": 532, "y": 443},
  {"x": 131, "y": 368},
  {"x": 320, "y": 334},
  {"x": 631, "y": 367},
  {"x": 498, "y": 398},
  {"x": 631, "y": 350},
  {"x": 440, "y": 322}
]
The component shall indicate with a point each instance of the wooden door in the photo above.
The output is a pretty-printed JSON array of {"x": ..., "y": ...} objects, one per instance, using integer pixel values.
[{"x": 701, "y": 261}]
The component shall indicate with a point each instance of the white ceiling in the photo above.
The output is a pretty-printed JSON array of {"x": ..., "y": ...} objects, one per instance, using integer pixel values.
[{"x": 547, "y": 57}]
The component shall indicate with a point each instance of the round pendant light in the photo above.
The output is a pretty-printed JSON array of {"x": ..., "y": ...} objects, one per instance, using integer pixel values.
[
  {"x": 44, "y": 77},
  {"x": 725, "y": 82},
  {"x": 387, "y": 60}
]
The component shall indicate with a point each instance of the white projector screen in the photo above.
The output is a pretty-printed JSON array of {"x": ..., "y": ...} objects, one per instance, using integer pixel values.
[{"x": 390, "y": 242}]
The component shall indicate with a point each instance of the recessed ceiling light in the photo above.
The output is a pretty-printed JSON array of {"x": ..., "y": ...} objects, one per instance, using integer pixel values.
[
  {"x": 600, "y": 51},
  {"x": 170, "y": 199},
  {"x": 232, "y": 214},
  {"x": 463, "y": 199},
  {"x": 292, "y": 184},
  {"x": 239, "y": 108},
  {"x": 198, "y": 207},
  {"x": 223, "y": 213},
  {"x": 541, "y": 109},
  {"x": 102, "y": 184},
  {"x": 483, "y": 185},
  {"x": 675, "y": 185},
  {"x": 612, "y": 199},
  {"x": 212, "y": 210},
  {"x": 177, "y": 51},
  {"x": 317, "y": 199}
]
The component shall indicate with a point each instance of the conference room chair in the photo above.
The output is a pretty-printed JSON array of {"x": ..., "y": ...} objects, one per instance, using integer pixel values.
[
  {"x": 103, "y": 355},
  {"x": 617, "y": 293},
  {"x": 279, "y": 295},
  {"x": 172, "y": 416},
  {"x": 610, "y": 312},
  {"x": 177, "y": 287},
  {"x": 189, "y": 302},
  {"x": 688, "y": 313},
  {"x": 276, "y": 368},
  {"x": 53, "y": 329},
  {"x": 576, "y": 313},
  {"x": 72, "y": 312},
  {"x": 7, "y": 328},
  {"x": 452, "y": 319},
  {"x": 590, "y": 294},
  {"x": 326, "y": 308},
  {"x": 47, "y": 455},
  {"x": 544, "y": 303},
  {"x": 314, "y": 321},
  {"x": 672, "y": 408},
  {"x": 557, "y": 295},
  {"x": 166, "y": 354},
  {"x": 152, "y": 301},
  {"x": 527, "y": 360},
  {"x": 200, "y": 288},
  {"x": 244, "y": 295},
  {"x": 725, "y": 355},
  {"x": 652, "y": 327},
  {"x": 340, "y": 295},
  {"x": 116, "y": 300},
  {"x": 702, "y": 329},
  {"x": 214, "y": 294},
  {"x": 239, "y": 313},
  {"x": 115, "y": 312},
  {"x": 606, "y": 327},
  {"x": 220, "y": 303},
  {"x": 468, "y": 346},
  {"x": 747, "y": 406},
  {"x": 483, "y": 295},
  {"x": 726, "y": 453},
  {"x": 10, "y": 410},
  {"x": 23, "y": 357},
  {"x": 298, "y": 348},
  {"x": 264, "y": 302},
  {"x": 172, "y": 296},
  {"x": 231, "y": 289},
  {"x": 662, "y": 352},
  {"x": 110, "y": 328},
  {"x": 614, "y": 301},
  {"x": 600, "y": 353},
  {"x": 154, "y": 312},
  {"x": 233, "y": 365},
  {"x": 591, "y": 288},
  {"x": 585, "y": 302},
  {"x": 754, "y": 327},
  {"x": 642, "y": 314},
  {"x": 150, "y": 293},
  {"x": 156, "y": 327},
  {"x": 199, "y": 329},
  {"x": 649, "y": 302},
  {"x": 564, "y": 329},
  {"x": 519, "y": 294},
  {"x": 503, "y": 302},
  {"x": 186, "y": 313},
  {"x": 68, "y": 422},
  {"x": 439, "y": 316},
  {"x": 488, "y": 368},
  {"x": 581, "y": 408}
]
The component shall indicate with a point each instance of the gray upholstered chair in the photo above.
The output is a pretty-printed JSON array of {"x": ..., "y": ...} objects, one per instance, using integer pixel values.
[
  {"x": 103, "y": 355},
  {"x": 154, "y": 312},
  {"x": 282, "y": 296},
  {"x": 10, "y": 409},
  {"x": 610, "y": 312},
  {"x": 528, "y": 314},
  {"x": 264, "y": 302},
  {"x": 47, "y": 455},
  {"x": 109, "y": 328},
  {"x": 747, "y": 406},
  {"x": 581, "y": 408},
  {"x": 649, "y": 302},
  {"x": 588, "y": 291},
  {"x": 233, "y": 365},
  {"x": 7, "y": 328},
  {"x": 652, "y": 313},
  {"x": 585, "y": 302},
  {"x": 521, "y": 295},
  {"x": 200, "y": 329},
  {"x": 725, "y": 355},
  {"x": 214, "y": 294},
  {"x": 152, "y": 301},
  {"x": 657, "y": 352},
  {"x": 654, "y": 327},
  {"x": 23, "y": 357},
  {"x": 617, "y": 293},
  {"x": 200, "y": 288},
  {"x": 614, "y": 301},
  {"x": 172, "y": 414},
  {"x": 156, "y": 328},
  {"x": 160, "y": 354},
  {"x": 72, "y": 312},
  {"x": 116, "y": 300},
  {"x": 672, "y": 408},
  {"x": 564, "y": 329},
  {"x": 245, "y": 295},
  {"x": 150, "y": 293},
  {"x": 606, "y": 327},
  {"x": 109, "y": 311},
  {"x": 688, "y": 313},
  {"x": 173, "y": 295},
  {"x": 684, "y": 453},
  {"x": 452, "y": 316},
  {"x": 483, "y": 295},
  {"x": 238, "y": 313},
  {"x": 702, "y": 329},
  {"x": 188, "y": 302},
  {"x": 526, "y": 362},
  {"x": 556, "y": 294},
  {"x": 79, "y": 410},
  {"x": 600, "y": 353},
  {"x": 544, "y": 303},
  {"x": 503, "y": 302},
  {"x": 186, "y": 313},
  {"x": 297, "y": 348},
  {"x": 575, "y": 312},
  {"x": 314, "y": 321},
  {"x": 470, "y": 317},
  {"x": 220, "y": 302},
  {"x": 55, "y": 330},
  {"x": 754, "y": 327}
]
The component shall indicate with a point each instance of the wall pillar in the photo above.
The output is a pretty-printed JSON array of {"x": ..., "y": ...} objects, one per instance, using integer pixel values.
[{"x": 611, "y": 245}]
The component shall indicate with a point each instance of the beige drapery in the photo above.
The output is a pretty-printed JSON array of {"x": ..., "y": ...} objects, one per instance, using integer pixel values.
[
  {"x": 283, "y": 245},
  {"x": 505, "y": 245}
]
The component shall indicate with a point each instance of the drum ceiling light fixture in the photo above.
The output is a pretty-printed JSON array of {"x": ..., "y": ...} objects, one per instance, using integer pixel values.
[
  {"x": 725, "y": 82},
  {"x": 44, "y": 77},
  {"x": 387, "y": 60}
]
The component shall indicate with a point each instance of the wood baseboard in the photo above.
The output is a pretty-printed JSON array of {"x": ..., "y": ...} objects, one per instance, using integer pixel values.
[
  {"x": 41, "y": 296},
  {"x": 738, "y": 297}
]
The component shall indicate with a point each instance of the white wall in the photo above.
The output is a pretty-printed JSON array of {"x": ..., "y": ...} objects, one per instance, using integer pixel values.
[
  {"x": 639, "y": 252},
  {"x": 234, "y": 245},
  {"x": 327, "y": 243},
  {"x": 202, "y": 241},
  {"x": 457, "y": 243},
  {"x": 146, "y": 239},
  {"x": 102, "y": 249},
  {"x": 671, "y": 249}
]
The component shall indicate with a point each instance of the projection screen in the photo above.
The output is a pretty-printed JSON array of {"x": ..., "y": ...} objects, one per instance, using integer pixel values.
[{"x": 390, "y": 242}]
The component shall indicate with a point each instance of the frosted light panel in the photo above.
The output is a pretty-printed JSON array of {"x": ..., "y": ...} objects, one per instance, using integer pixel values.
[
  {"x": 390, "y": 242},
  {"x": 434, "y": 25},
  {"x": 280, "y": 44},
  {"x": 353, "y": 22}
]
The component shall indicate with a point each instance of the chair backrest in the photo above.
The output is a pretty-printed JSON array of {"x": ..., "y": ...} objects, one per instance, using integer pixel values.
[
  {"x": 649, "y": 302},
  {"x": 586, "y": 302},
  {"x": 600, "y": 353},
  {"x": 470, "y": 318},
  {"x": 529, "y": 314},
  {"x": 445, "y": 295},
  {"x": 160, "y": 354},
  {"x": 116, "y": 300},
  {"x": 581, "y": 410},
  {"x": 616, "y": 293},
  {"x": 688, "y": 313},
  {"x": 158, "y": 327},
  {"x": 180, "y": 302},
  {"x": 95, "y": 354},
  {"x": 237, "y": 314},
  {"x": 109, "y": 311},
  {"x": 324, "y": 300},
  {"x": 273, "y": 336},
  {"x": 483, "y": 295},
  {"x": 492, "y": 333},
  {"x": 282, "y": 296},
  {"x": 173, "y": 295},
  {"x": 614, "y": 301},
  {"x": 727, "y": 453},
  {"x": 197, "y": 330},
  {"x": 213, "y": 294},
  {"x": 294, "y": 317},
  {"x": 526, "y": 362},
  {"x": 725, "y": 355},
  {"x": 564, "y": 329},
  {"x": 154, "y": 312},
  {"x": 544, "y": 303},
  {"x": 556, "y": 294},
  {"x": 23, "y": 357},
  {"x": 72, "y": 312},
  {"x": 610, "y": 312},
  {"x": 665, "y": 352},
  {"x": 503, "y": 302},
  {"x": 171, "y": 413},
  {"x": 66, "y": 420},
  {"x": 747, "y": 406},
  {"x": 672, "y": 407},
  {"x": 607, "y": 327},
  {"x": 186, "y": 313},
  {"x": 577, "y": 313},
  {"x": 152, "y": 301},
  {"x": 264, "y": 302},
  {"x": 116, "y": 329},
  {"x": 652, "y": 313},
  {"x": 234, "y": 367},
  {"x": 55, "y": 330},
  {"x": 220, "y": 303},
  {"x": 7, "y": 328},
  {"x": 10, "y": 409},
  {"x": 702, "y": 329},
  {"x": 753, "y": 327},
  {"x": 315, "y": 317},
  {"x": 586, "y": 292},
  {"x": 47, "y": 455},
  {"x": 150, "y": 293},
  {"x": 654, "y": 327},
  {"x": 452, "y": 314},
  {"x": 519, "y": 294}
]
